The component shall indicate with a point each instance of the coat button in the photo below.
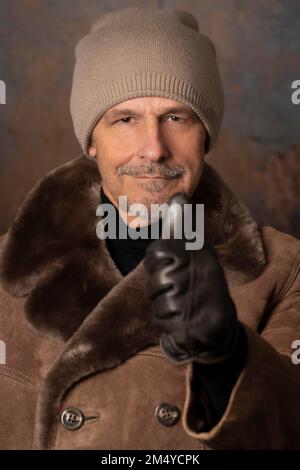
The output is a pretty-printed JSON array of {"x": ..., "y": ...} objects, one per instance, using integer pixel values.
[
  {"x": 72, "y": 419},
  {"x": 167, "y": 414}
]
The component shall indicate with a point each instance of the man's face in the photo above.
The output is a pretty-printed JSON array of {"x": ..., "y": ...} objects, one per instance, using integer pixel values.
[{"x": 148, "y": 149}]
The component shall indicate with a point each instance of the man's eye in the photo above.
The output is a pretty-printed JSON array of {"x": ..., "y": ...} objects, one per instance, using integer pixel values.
[
  {"x": 124, "y": 120},
  {"x": 176, "y": 118}
]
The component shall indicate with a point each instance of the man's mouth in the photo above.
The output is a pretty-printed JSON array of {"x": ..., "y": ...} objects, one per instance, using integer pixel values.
[{"x": 153, "y": 177}]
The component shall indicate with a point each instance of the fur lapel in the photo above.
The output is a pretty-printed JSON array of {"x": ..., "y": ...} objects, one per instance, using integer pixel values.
[
  {"x": 74, "y": 291},
  {"x": 93, "y": 348}
]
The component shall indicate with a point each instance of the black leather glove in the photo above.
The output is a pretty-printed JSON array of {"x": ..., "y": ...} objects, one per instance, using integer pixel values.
[{"x": 191, "y": 304}]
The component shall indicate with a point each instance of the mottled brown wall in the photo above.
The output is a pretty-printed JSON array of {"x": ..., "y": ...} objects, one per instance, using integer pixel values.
[{"x": 258, "y": 47}]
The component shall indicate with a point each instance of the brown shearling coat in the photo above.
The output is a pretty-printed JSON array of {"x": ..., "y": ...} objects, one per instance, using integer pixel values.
[{"x": 77, "y": 332}]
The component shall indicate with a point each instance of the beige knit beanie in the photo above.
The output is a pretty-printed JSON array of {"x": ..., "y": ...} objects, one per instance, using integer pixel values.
[{"x": 135, "y": 52}]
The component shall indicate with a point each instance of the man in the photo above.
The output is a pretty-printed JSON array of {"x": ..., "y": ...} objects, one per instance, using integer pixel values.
[{"x": 138, "y": 343}]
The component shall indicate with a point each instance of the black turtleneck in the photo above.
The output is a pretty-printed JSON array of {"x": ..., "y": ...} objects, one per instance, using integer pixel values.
[
  {"x": 128, "y": 252},
  {"x": 218, "y": 380}
]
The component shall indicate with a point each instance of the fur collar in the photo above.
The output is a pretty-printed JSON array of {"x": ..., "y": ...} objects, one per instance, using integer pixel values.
[{"x": 74, "y": 291}]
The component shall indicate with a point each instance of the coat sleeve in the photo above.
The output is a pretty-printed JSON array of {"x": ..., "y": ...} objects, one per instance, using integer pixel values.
[{"x": 263, "y": 411}]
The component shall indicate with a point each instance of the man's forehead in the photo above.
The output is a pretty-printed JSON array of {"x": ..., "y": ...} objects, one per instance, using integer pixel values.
[{"x": 149, "y": 105}]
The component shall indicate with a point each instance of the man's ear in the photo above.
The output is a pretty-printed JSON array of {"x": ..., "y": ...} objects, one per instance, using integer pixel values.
[
  {"x": 206, "y": 141},
  {"x": 92, "y": 148}
]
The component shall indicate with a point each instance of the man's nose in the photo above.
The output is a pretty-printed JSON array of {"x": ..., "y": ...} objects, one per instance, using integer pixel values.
[{"x": 152, "y": 143}]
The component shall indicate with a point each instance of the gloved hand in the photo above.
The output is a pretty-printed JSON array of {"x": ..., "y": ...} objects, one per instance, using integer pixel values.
[{"x": 191, "y": 304}]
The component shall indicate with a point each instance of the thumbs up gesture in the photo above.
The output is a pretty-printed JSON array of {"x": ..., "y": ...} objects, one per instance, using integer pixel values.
[{"x": 191, "y": 305}]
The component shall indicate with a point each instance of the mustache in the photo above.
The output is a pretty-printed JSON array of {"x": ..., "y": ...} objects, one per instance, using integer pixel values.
[{"x": 158, "y": 171}]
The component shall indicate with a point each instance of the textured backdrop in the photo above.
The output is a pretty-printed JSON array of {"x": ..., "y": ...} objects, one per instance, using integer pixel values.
[{"x": 258, "y": 48}]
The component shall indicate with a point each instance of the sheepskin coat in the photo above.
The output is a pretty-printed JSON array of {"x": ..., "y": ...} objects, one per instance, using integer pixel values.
[{"x": 77, "y": 332}]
